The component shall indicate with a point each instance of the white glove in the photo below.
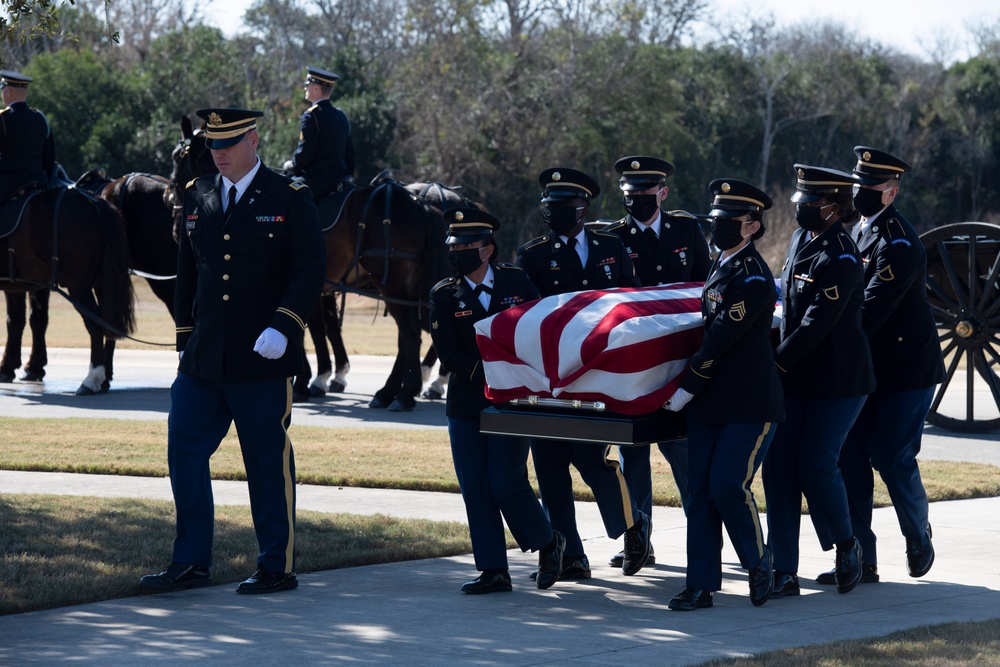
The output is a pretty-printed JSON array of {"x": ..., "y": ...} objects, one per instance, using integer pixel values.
[
  {"x": 271, "y": 344},
  {"x": 678, "y": 400},
  {"x": 288, "y": 166}
]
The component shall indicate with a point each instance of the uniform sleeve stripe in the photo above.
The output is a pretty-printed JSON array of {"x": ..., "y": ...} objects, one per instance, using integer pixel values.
[{"x": 292, "y": 315}]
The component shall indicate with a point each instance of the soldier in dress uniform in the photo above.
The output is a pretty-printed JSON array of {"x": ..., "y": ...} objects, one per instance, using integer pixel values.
[
  {"x": 27, "y": 149},
  {"x": 492, "y": 469},
  {"x": 665, "y": 248},
  {"x": 906, "y": 354},
  {"x": 324, "y": 158},
  {"x": 250, "y": 268},
  {"x": 735, "y": 398},
  {"x": 572, "y": 258},
  {"x": 826, "y": 370}
]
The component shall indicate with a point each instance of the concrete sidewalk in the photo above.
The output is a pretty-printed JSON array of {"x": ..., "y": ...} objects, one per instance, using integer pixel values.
[{"x": 413, "y": 613}]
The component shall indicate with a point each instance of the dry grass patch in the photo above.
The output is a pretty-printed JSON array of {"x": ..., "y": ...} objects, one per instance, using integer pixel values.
[{"x": 95, "y": 549}]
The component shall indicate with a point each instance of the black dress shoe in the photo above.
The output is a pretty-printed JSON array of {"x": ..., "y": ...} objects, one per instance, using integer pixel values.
[
  {"x": 619, "y": 558},
  {"x": 761, "y": 579},
  {"x": 847, "y": 573},
  {"x": 550, "y": 562},
  {"x": 490, "y": 581},
  {"x": 263, "y": 581},
  {"x": 576, "y": 568},
  {"x": 869, "y": 575},
  {"x": 177, "y": 577},
  {"x": 919, "y": 554},
  {"x": 690, "y": 599},
  {"x": 637, "y": 545},
  {"x": 572, "y": 568},
  {"x": 786, "y": 584}
]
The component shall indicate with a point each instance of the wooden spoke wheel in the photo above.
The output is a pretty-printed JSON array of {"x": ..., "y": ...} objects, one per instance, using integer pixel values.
[{"x": 963, "y": 269}]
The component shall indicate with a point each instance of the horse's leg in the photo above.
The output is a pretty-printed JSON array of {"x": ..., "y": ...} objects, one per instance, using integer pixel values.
[
  {"x": 435, "y": 391},
  {"x": 300, "y": 387},
  {"x": 109, "y": 362},
  {"x": 324, "y": 368},
  {"x": 96, "y": 380},
  {"x": 408, "y": 321},
  {"x": 384, "y": 397},
  {"x": 342, "y": 365},
  {"x": 38, "y": 320},
  {"x": 16, "y": 319}
]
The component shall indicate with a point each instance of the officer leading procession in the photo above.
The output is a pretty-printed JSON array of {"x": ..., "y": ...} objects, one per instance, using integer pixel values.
[{"x": 803, "y": 379}]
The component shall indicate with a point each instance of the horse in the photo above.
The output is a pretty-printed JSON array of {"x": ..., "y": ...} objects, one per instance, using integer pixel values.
[
  {"x": 64, "y": 237},
  {"x": 398, "y": 240},
  {"x": 145, "y": 202}
]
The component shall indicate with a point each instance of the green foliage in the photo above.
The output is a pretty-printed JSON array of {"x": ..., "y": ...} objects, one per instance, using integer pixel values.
[{"x": 94, "y": 109}]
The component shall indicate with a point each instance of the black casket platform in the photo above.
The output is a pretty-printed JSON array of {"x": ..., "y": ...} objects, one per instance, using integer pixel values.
[{"x": 552, "y": 419}]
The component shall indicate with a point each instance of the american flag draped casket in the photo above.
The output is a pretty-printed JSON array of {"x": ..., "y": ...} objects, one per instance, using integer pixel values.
[{"x": 622, "y": 351}]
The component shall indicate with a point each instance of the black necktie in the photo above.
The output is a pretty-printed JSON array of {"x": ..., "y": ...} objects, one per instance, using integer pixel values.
[
  {"x": 479, "y": 289},
  {"x": 650, "y": 236},
  {"x": 232, "y": 203},
  {"x": 571, "y": 244}
]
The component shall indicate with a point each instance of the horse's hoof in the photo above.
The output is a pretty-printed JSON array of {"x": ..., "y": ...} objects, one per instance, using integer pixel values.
[
  {"x": 377, "y": 402},
  {"x": 337, "y": 387},
  {"x": 300, "y": 397},
  {"x": 84, "y": 390},
  {"x": 316, "y": 392},
  {"x": 33, "y": 376},
  {"x": 400, "y": 406},
  {"x": 433, "y": 394},
  {"x": 105, "y": 387},
  {"x": 6, "y": 377}
]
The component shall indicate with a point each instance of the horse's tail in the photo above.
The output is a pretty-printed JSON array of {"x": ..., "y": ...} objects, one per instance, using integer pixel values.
[{"x": 114, "y": 291}]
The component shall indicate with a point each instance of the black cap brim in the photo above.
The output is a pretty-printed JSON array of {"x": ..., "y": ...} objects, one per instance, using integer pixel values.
[
  {"x": 218, "y": 144},
  {"x": 801, "y": 197},
  {"x": 869, "y": 180},
  {"x": 456, "y": 240}
]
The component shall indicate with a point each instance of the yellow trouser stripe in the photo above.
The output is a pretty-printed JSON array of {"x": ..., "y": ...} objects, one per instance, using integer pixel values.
[
  {"x": 626, "y": 498},
  {"x": 286, "y": 468},
  {"x": 751, "y": 505}
]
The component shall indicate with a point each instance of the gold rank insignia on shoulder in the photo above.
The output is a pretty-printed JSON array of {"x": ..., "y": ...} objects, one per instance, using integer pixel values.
[
  {"x": 295, "y": 185},
  {"x": 738, "y": 311},
  {"x": 886, "y": 274},
  {"x": 190, "y": 183},
  {"x": 831, "y": 293}
]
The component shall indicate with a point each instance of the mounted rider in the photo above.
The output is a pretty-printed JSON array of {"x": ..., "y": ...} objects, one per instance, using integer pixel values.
[{"x": 27, "y": 148}]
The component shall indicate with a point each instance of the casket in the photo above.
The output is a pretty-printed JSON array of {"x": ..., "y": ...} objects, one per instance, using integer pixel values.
[{"x": 592, "y": 366}]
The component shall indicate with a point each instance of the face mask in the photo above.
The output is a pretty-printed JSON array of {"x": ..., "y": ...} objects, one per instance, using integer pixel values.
[
  {"x": 465, "y": 261},
  {"x": 868, "y": 202},
  {"x": 641, "y": 207},
  {"x": 810, "y": 218},
  {"x": 561, "y": 218},
  {"x": 726, "y": 233}
]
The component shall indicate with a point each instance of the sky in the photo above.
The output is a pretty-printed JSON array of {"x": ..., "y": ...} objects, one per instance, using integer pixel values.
[{"x": 916, "y": 27}]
